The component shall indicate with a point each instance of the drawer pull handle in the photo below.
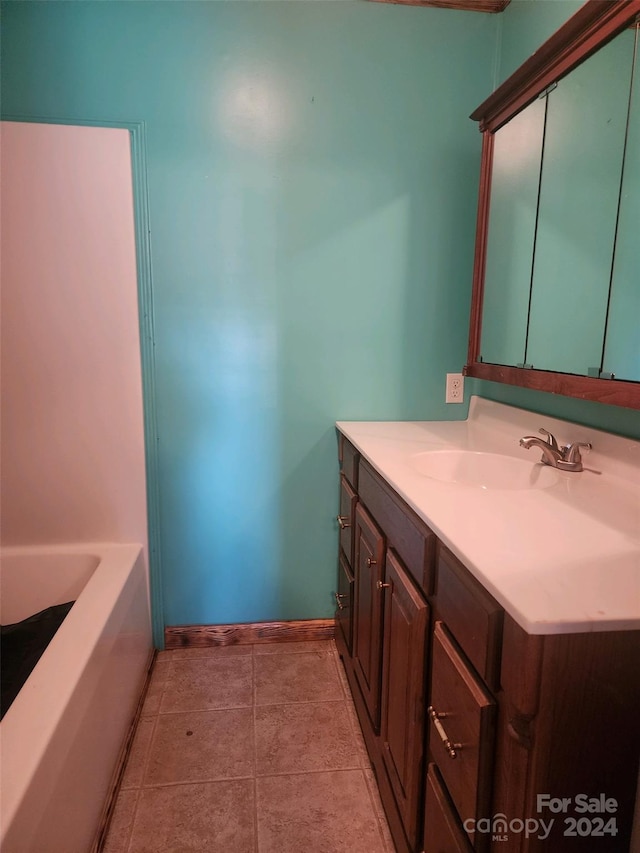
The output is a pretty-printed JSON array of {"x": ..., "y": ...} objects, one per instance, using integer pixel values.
[
  {"x": 343, "y": 521},
  {"x": 339, "y": 596},
  {"x": 450, "y": 747},
  {"x": 371, "y": 562},
  {"x": 381, "y": 585}
]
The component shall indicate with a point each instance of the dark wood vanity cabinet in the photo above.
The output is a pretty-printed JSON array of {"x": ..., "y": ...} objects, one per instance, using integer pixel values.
[
  {"x": 344, "y": 594},
  {"x": 529, "y": 717},
  {"x": 386, "y": 666},
  {"x": 469, "y": 720}
]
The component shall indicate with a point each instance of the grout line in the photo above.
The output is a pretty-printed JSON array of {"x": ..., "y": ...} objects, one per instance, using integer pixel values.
[
  {"x": 156, "y": 717},
  {"x": 299, "y": 702},
  {"x": 254, "y": 688},
  {"x": 129, "y": 838},
  {"x": 256, "y": 843},
  {"x": 208, "y": 781},
  {"x": 206, "y": 710},
  {"x": 310, "y": 772}
]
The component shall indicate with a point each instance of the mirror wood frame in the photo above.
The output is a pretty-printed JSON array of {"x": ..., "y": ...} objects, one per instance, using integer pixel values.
[{"x": 593, "y": 25}]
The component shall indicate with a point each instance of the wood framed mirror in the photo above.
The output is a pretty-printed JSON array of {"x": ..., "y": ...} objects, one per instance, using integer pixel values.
[{"x": 556, "y": 285}]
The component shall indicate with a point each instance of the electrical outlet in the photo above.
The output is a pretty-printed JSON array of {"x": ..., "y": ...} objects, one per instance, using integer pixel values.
[{"x": 455, "y": 388}]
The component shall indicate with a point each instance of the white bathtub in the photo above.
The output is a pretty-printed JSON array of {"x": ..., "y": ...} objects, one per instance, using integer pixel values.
[{"x": 61, "y": 738}]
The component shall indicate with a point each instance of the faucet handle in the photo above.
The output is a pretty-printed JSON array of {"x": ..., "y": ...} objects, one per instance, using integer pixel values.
[
  {"x": 572, "y": 451},
  {"x": 551, "y": 439}
]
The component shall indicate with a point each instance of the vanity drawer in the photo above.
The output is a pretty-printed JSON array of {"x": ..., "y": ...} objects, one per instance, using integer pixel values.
[
  {"x": 461, "y": 727},
  {"x": 412, "y": 540},
  {"x": 349, "y": 458},
  {"x": 443, "y": 832},
  {"x": 346, "y": 519},
  {"x": 473, "y": 616}
]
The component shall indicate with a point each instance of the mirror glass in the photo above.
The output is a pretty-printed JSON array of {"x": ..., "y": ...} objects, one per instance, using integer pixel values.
[
  {"x": 581, "y": 175},
  {"x": 555, "y": 190},
  {"x": 622, "y": 345},
  {"x": 515, "y": 178}
]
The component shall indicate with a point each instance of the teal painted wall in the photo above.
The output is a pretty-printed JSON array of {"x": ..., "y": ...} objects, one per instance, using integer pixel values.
[
  {"x": 312, "y": 182},
  {"x": 524, "y": 26}
]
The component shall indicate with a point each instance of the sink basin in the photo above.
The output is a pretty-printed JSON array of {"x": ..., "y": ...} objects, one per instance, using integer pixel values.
[{"x": 483, "y": 470}]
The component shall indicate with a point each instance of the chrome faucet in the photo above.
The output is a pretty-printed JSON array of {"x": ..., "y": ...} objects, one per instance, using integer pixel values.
[{"x": 565, "y": 458}]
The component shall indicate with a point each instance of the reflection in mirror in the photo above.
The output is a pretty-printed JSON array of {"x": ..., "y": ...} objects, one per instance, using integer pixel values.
[
  {"x": 579, "y": 191},
  {"x": 515, "y": 177},
  {"x": 622, "y": 343}
]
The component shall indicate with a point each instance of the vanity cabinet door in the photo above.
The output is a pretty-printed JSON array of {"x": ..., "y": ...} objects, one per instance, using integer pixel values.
[
  {"x": 406, "y": 618},
  {"x": 367, "y": 651},
  {"x": 443, "y": 832},
  {"x": 344, "y": 602}
]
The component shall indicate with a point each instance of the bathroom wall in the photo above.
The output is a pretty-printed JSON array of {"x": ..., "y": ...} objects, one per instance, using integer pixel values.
[
  {"x": 72, "y": 457},
  {"x": 524, "y": 26},
  {"x": 312, "y": 185}
]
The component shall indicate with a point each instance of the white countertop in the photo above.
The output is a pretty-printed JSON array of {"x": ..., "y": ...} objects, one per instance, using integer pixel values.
[{"x": 560, "y": 559}]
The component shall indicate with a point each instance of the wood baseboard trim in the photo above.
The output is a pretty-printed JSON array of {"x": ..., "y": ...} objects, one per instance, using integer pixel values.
[{"x": 201, "y": 636}]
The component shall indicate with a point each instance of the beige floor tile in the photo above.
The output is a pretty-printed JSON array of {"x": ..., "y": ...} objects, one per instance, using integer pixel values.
[
  {"x": 117, "y": 840},
  {"x": 211, "y": 651},
  {"x": 209, "y": 683},
  {"x": 212, "y": 817},
  {"x": 304, "y": 737},
  {"x": 136, "y": 760},
  {"x": 199, "y": 733},
  {"x": 201, "y": 745},
  {"x": 286, "y": 678},
  {"x": 325, "y": 646},
  {"x": 316, "y": 813}
]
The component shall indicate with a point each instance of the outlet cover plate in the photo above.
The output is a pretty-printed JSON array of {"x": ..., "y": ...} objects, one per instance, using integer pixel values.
[{"x": 455, "y": 388}]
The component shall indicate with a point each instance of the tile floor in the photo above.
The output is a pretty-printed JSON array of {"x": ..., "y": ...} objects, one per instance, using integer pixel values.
[{"x": 249, "y": 749}]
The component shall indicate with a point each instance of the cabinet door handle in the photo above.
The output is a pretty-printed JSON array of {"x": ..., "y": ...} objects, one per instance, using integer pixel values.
[
  {"x": 371, "y": 562},
  {"x": 381, "y": 585},
  {"x": 343, "y": 521},
  {"x": 450, "y": 747},
  {"x": 339, "y": 596}
]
